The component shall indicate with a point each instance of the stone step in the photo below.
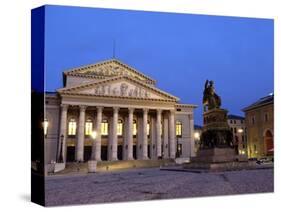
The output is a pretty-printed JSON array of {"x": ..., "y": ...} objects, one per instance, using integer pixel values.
[{"x": 103, "y": 166}]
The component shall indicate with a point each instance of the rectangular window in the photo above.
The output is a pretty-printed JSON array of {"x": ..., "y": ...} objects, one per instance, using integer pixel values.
[
  {"x": 88, "y": 128},
  {"x": 178, "y": 128},
  {"x": 266, "y": 117},
  {"x": 119, "y": 127},
  {"x": 253, "y": 119},
  {"x": 148, "y": 128},
  {"x": 134, "y": 127},
  {"x": 104, "y": 127},
  {"x": 234, "y": 121},
  {"x": 235, "y": 130},
  {"x": 72, "y": 127}
]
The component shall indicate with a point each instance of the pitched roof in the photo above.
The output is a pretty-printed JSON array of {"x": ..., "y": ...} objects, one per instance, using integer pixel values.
[
  {"x": 231, "y": 116},
  {"x": 269, "y": 99},
  {"x": 114, "y": 67}
]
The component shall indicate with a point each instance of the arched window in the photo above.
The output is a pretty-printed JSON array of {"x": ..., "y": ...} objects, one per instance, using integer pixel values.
[
  {"x": 178, "y": 128},
  {"x": 88, "y": 127},
  {"x": 134, "y": 127},
  {"x": 45, "y": 126},
  {"x": 119, "y": 127},
  {"x": 72, "y": 127},
  {"x": 104, "y": 127}
]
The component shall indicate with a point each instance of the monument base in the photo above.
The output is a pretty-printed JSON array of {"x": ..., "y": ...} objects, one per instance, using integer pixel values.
[
  {"x": 218, "y": 159},
  {"x": 215, "y": 155}
]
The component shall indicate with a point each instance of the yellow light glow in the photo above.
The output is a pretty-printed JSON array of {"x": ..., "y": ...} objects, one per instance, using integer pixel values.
[
  {"x": 94, "y": 134},
  {"x": 240, "y": 130},
  {"x": 45, "y": 126},
  {"x": 196, "y": 135}
]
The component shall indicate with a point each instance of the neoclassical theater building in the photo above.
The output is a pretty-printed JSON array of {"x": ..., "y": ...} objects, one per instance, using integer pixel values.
[{"x": 132, "y": 118}]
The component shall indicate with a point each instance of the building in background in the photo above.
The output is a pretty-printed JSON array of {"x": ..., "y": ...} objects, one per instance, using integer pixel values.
[
  {"x": 238, "y": 129},
  {"x": 259, "y": 118}
]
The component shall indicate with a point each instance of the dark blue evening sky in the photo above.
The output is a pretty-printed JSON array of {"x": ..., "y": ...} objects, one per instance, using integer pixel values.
[{"x": 180, "y": 51}]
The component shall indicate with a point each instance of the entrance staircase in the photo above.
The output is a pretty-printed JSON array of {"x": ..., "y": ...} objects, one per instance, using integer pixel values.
[{"x": 107, "y": 166}]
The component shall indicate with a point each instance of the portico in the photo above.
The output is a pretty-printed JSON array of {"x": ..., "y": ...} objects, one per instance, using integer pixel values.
[{"x": 132, "y": 118}]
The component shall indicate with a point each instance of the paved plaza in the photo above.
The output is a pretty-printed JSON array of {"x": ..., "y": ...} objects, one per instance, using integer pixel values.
[{"x": 151, "y": 184}]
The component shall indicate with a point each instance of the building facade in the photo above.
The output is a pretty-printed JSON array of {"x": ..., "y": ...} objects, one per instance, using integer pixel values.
[
  {"x": 132, "y": 118},
  {"x": 260, "y": 127},
  {"x": 238, "y": 129}
]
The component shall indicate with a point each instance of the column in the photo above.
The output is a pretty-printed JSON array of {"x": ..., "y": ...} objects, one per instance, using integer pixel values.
[
  {"x": 62, "y": 138},
  {"x": 192, "y": 144},
  {"x": 158, "y": 134},
  {"x": 172, "y": 134},
  {"x": 114, "y": 141},
  {"x": 97, "y": 142},
  {"x": 130, "y": 135},
  {"x": 139, "y": 138},
  {"x": 152, "y": 136},
  {"x": 166, "y": 137},
  {"x": 144, "y": 134},
  {"x": 125, "y": 139},
  {"x": 80, "y": 140}
]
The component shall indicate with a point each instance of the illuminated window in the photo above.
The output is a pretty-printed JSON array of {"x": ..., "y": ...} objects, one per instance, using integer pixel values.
[
  {"x": 88, "y": 127},
  {"x": 45, "y": 126},
  {"x": 104, "y": 127},
  {"x": 148, "y": 127},
  {"x": 119, "y": 127},
  {"x": 72, "y": 127},
  {"x": 135, "y": 127},
  {"x": 178, "y": 128}
]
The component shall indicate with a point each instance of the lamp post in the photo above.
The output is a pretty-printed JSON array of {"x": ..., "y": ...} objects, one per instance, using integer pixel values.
[{"x": 92, "y": 163}]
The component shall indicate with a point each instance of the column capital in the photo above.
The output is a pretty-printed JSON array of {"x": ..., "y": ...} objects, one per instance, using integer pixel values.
[
  {"x": 64, "y": 106},
  {"x": 99, "y": 108},
  {"x": 159, "y": 111},
  {"x": 115, "y": 109},
  {"x": 145, "y": 110},
  {"x": 131, "y": 110},
  {"x": 82, "y": 108},
  {"x": 172, "y": 111}
]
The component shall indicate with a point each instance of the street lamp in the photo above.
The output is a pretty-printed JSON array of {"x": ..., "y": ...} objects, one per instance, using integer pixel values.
[{"x": 197, "y": 135}]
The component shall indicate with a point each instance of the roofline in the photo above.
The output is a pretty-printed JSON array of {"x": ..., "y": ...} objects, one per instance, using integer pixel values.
[
  {"x": 256, "y": 106},
  {"x": 68, "y": 72},
  {"x": 187, "y": 105}
]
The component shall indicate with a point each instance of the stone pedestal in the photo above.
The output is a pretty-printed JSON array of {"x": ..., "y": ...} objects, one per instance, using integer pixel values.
[
  {"x": 92, "y": 166},
  {"x": 215, "y": 155}
]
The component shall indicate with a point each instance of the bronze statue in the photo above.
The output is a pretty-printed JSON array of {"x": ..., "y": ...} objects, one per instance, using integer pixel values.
[{"x": 210, "y": 99}]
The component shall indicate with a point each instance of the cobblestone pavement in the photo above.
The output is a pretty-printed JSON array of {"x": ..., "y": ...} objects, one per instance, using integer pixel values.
[{"x": 149, "y": 184}]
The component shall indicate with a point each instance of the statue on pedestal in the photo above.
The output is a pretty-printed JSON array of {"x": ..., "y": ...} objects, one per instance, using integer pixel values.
[
  {"x": 210, "y": 99},
  {"x": 216, "y": 132}
]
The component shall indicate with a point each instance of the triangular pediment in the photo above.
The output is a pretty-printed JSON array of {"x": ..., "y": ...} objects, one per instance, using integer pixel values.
[
  {"x": 108, "y": 69},
  {"x": 122, "y": 86}
]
